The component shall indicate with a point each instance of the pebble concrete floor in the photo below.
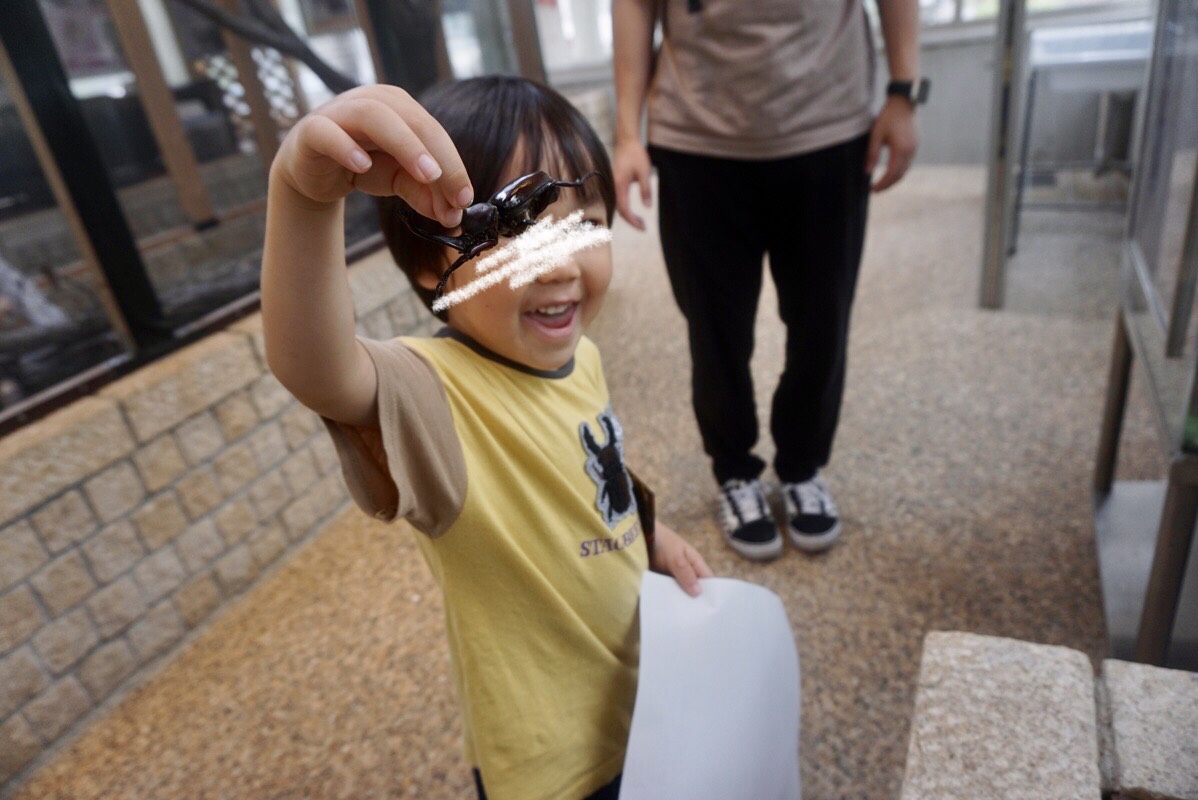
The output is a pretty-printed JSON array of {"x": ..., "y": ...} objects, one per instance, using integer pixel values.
[{"x": 962, "y": 469}]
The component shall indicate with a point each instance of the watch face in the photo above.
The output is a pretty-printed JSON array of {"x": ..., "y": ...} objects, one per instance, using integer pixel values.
[{"x": 919, "y": 93}]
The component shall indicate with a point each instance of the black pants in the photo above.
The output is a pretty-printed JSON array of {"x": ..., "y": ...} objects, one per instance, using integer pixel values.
[
  {"x": 718, "y": 217},
  {"x": 609, "y": 792}
]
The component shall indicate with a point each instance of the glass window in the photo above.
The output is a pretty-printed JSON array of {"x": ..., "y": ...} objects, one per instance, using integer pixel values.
[
  {"x": 575, "y": 35},
  {"x": 186, "y": 120},
  {"x": 53, "y": 323}
]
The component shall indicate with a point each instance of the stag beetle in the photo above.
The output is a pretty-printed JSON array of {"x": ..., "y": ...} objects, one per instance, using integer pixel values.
[
  {"x": 509, "y": 212},
  {"x": 605, "y": 465}
]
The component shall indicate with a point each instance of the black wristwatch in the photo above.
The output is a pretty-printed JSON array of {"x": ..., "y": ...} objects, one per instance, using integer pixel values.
[{"x": 915, "y": 91}]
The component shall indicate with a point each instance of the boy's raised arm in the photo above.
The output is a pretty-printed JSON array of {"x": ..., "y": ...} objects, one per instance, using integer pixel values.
[{"x": 375, "y": 139}]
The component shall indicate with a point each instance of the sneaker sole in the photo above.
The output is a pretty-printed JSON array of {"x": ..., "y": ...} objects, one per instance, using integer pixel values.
[
  {"x": 756, "y": 551},
  {"x": 814, "y": 544}
]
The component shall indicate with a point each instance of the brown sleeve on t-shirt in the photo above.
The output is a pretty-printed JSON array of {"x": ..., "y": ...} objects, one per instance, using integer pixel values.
[{"x": 411, "y": 466}]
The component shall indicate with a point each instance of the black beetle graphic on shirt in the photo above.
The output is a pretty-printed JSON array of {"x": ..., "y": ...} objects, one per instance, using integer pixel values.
[{"x": 605, "y": 465}]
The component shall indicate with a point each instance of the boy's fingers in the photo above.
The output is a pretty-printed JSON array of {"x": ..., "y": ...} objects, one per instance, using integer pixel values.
[
  {"x": 684, "y": 573},
  {"x": 447, "y": 214},
  {"x": 386, "y": 177},
  {"x": 366, "y": 118},
  {"x": 323, "y": 137},
  {"x": 453, "y": 182},
  {"x": 698, "y": 562}
]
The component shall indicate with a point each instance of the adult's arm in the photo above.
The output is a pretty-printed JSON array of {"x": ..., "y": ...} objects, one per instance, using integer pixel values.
[
  {"x": 632, "y": 46},
  {"x": 895, "y": 129}
]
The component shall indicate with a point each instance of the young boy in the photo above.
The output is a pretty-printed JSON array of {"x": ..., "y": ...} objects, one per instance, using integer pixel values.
[{"x": 496, "y": 439}]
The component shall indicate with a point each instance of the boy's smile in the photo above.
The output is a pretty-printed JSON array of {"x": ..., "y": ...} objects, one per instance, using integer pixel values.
[{"x": 539, "y": 325}]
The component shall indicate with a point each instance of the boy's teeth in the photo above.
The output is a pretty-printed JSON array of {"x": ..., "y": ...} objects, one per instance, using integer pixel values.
[{"x": 551, "y": 310}]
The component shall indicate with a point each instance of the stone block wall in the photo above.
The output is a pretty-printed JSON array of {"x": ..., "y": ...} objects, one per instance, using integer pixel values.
[{"x": 130, "y": 517}]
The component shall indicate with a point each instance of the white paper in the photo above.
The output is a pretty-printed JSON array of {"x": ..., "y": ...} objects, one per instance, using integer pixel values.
[{"x": 717, "y": 701}]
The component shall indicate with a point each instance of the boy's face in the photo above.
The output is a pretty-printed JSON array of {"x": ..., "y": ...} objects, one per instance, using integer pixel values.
[{"x": 537, "y": 325}]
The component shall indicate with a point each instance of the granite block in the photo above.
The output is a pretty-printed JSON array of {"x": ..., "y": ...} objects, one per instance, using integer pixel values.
[
  {"x": 269, "y": 396},
  {"x": 235, "y": 469},
  {"x": 106, "y": 667},
  {"x": 112, "y": 551},
  {"x": 199, "y": 544},
  {"x": 269, "y": 494},
  {"x": 52, "y": 712},
  {"x": 20, "y": 616},
  {"x": 268, "y": 445},
  {"x": 154, "y": 633},
  {"x": 159, "y": 574},
  {"x": 21, "y": 677},
  {"x": 115, "y": 491},
  {"x": 20, "y": 554},
  {"x": 198, "y": 598},
  {"x": 299, "y": 424},
  {"x": 998, "y": 718},
  {"x": 160, "y": 520},
  {"x": 1154, "y": 716},
  {"x": 200, "y": 438},
  {"x": 236, "y": 520},
  {"x": 63, "y": 583},
  {"x": 236, "y": 570},
  {"x": 116, "y": 606},
  {"x": 64, "y": 521},
  {"x": 160, "y": 462},
  {"x": 199, "y": 492},
  {"x": 62, "y": 643},
  {"x": 18, "y": 747},
  {"x": 237, "y": 416}
]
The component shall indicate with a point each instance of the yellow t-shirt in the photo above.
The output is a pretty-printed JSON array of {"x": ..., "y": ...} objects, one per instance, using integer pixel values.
[{"x": 540, "y": 562}]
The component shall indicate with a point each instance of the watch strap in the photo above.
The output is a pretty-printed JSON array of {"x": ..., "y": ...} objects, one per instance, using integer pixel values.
[{"x": 915, "y": 91}]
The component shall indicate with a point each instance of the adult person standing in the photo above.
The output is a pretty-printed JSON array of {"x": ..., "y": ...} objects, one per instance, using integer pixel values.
[{"x": 762, "y": 130}]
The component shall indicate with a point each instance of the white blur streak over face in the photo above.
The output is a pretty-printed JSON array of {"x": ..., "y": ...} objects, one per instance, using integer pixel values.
[{"x": 540, "y": 249}]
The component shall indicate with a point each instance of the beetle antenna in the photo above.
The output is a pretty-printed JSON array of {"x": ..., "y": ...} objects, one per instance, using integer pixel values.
[{"x": 576, "y": 184}]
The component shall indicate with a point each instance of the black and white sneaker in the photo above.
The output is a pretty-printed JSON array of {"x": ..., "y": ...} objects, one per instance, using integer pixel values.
[
  {"x": 749, "y": 528},
  {"x": 812, "y": 520}
]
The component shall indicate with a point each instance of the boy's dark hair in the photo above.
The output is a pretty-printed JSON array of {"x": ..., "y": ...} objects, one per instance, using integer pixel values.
[{"x": 488, "y": 118}]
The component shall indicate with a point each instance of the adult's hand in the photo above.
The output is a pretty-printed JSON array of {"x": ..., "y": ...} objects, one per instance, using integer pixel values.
[
  {"x": 895, "y": 131},
  {"x": 631, "y": 165}
]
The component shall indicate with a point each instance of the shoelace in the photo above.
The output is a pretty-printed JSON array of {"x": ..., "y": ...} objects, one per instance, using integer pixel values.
[
  {"x": 812, "y": 498},
  {"x": 745, "y": 501}
]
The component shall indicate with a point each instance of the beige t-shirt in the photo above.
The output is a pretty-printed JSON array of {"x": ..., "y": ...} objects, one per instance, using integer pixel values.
[
  {"x": 517, "y": 478},
  {"x": 761, "y": 79}
]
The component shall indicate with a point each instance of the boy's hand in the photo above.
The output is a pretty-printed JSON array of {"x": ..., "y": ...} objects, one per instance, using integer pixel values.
[
  {"x": 379, "y": 140},
  {"x": 673, "y": 556}
]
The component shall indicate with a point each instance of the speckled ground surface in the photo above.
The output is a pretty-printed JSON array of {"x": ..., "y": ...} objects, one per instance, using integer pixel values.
[{"x": 962, "y": 470}]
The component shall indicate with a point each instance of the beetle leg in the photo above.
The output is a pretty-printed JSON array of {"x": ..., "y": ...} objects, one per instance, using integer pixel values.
[
  {"x": 456, "y": 242},
  {"x": 445, "y": 278}
]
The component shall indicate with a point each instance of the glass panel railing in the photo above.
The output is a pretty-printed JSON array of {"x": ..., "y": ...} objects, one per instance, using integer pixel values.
[{"x": 1161, "y": 253}]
